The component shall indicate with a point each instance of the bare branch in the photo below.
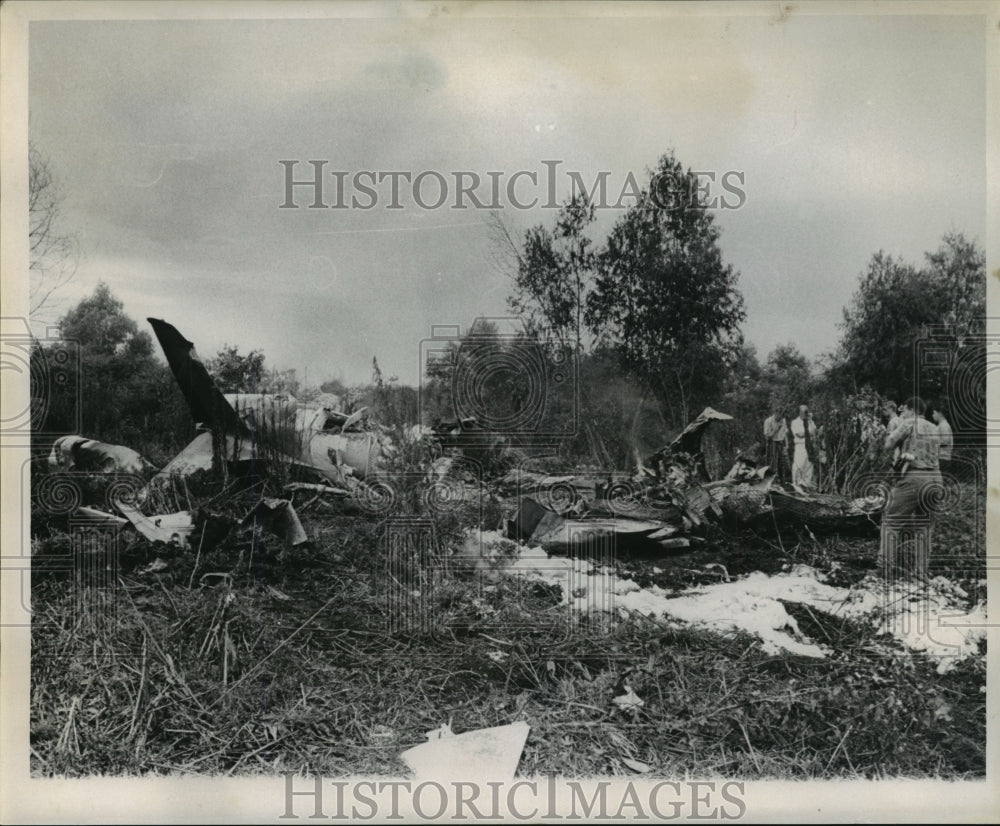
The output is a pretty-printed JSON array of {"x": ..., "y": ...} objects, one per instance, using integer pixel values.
[
  {"x": 54, "y": 253},
  {"x": 506, "y": 253}
]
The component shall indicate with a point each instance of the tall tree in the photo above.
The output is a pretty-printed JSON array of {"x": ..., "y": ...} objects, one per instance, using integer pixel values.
[
  {"x": 663, "y": 295},
  {"x": 100, "y": 325},
  {"x": 789, "y": 377},
  {"x": 122, "y": 382},
  {"x": 555, "y": 271},
  {"x": 959, "y": 268},
  {"x": 899, "y": 310}
]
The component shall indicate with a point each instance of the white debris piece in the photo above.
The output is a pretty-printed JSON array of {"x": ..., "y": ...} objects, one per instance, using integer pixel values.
[
  {"x": 171, "y": 528},
  {"x": 481, "y": 755},
  {"x": 629, "y": 700}
]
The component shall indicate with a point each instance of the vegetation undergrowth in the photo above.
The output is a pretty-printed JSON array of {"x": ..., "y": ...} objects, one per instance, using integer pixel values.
[{"x": 293, "y": 659}]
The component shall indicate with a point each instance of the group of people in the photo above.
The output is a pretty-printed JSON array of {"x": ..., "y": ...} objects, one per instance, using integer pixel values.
[
  {"x": 795, "y": 447},
  {"x": 921, "y": 442},
  {"x": 930, "y": 415}
]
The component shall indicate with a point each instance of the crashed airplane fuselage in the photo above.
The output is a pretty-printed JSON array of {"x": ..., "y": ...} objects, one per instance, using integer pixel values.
[{"x": 334, "y": 444}]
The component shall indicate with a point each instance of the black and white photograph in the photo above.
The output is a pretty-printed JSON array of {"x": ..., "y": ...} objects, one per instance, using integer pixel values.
[{"x": 499, "y": 412}]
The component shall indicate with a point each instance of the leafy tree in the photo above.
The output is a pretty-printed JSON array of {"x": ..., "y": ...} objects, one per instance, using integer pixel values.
[
  {"x": 959, "y": 268},
  {"x": 654, "y": 300},
  {"x": 554, "y": 280},
  {"x": 898, "y": 305},
  {"x": 663, "y": 295},
  {"x": 101, "y": 326},
  {"x": 893, "y": 303},
  {"x": 555, "y": 274},
  {"x": 236, "y": 373},
  {"x": 789, "y": 377},
  {"x": 127, "y": 396}
]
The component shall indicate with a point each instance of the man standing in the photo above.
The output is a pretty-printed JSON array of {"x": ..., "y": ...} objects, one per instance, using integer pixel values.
[
  {"x": 945, "y": 438},
  {"x": 909, "y": 511},
  {"x": 892, "y": 417},
  {"x": 803, "y": 433},
  {"x": 775, "y": 433},
  {"x": 892, "y": 420}
]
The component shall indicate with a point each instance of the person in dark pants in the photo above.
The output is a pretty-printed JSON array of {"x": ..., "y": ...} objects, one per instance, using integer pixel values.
[
  {"x": 776, "y": 451},
  {"x": 908, "y": 516}
]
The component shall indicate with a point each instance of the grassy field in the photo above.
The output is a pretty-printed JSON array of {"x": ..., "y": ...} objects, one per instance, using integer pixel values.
[{"x": 255, "y": 658}]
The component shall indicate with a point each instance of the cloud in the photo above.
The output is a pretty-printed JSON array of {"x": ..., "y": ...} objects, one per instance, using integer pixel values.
[{"x": 853, "y": 133}]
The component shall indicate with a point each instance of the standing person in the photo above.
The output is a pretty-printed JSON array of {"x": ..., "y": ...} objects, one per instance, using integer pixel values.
[
  {"x": 916, "y": 489},
  {"x": 892, "y": 420},
  {"x": 803, "y": 432},
  {"x": 775, "y": 434},
  {"x": 821, "y": 454},
  {"x": 946, "y": 439},
  {"x": 891, "y": 414}
]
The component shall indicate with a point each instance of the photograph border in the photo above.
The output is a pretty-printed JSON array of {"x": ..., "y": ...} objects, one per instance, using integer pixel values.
[{"x": 252, "y": 800}]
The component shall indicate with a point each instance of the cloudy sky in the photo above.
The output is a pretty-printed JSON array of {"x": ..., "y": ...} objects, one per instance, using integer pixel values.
[{"x": 853, "y": 133}]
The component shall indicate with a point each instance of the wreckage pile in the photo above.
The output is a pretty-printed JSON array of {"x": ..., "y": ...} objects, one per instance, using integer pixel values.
[
  {"x": 667, "y": 505},
  {"x": 262, "y": 449}
]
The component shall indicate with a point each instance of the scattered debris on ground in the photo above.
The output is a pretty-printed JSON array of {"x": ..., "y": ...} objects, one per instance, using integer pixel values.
[{"x": 591, "y": 620}]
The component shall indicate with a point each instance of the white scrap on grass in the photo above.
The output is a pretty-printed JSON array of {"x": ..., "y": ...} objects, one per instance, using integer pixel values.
[
  {"x": 629, "y": 700},
  {"x": 489, "y": 754},
  {"x": 925, "y": 619}
]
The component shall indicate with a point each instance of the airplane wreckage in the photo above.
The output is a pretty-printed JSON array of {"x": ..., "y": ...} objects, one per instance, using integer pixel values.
[{"x": 665, "y": 506}]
